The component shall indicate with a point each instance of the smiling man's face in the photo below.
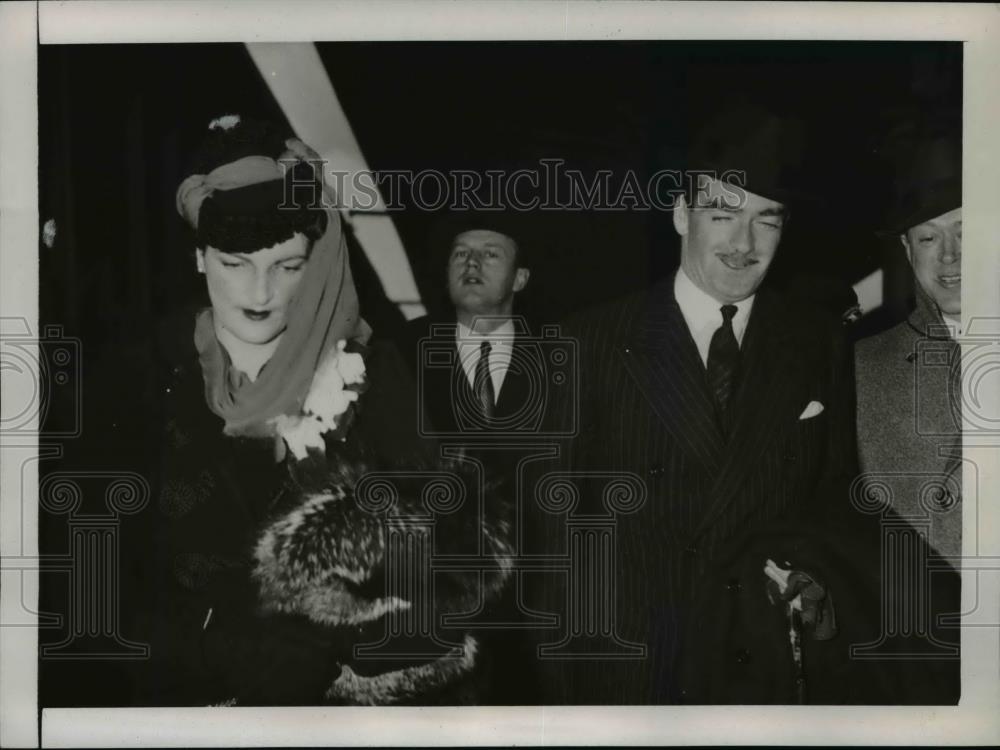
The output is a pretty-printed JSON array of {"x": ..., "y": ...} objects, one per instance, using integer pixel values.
[
  {"x": 483, "y": 274},
  {"x": 728, "y": 240},
  {"x": 935, "y": 252}
]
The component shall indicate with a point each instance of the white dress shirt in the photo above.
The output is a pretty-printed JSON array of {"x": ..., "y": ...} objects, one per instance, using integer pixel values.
[
  {"x": 501, "y": 343},
  {"x": 954, "y": 324},
  {"x": 703, "y": 313}
]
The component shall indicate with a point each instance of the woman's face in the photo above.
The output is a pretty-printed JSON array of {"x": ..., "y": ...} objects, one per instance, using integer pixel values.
[{"x": 251, "y": 292}]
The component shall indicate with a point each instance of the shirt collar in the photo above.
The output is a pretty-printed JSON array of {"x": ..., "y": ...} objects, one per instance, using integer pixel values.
[
  {"x": 954, "y": 323},
  {"x": 502, "y": 334},
  {"x": 701, "y": 309}
]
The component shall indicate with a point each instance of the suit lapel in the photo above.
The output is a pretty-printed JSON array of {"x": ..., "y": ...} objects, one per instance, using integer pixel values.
[
  {"x": 769, "y": 394},
  {"x": 663, "y": 360},
  {"x": 515, "y": 389},
  {"x": 446, "y": 387}
]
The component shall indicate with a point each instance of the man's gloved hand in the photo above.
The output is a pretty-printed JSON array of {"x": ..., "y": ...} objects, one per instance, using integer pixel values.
[{"x": 801, "y": 591}]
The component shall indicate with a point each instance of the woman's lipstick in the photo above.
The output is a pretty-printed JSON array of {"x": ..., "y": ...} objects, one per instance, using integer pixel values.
[{"x": 256, "y": 315}]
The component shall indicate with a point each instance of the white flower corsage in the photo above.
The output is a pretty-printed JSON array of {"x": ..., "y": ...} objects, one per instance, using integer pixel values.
[
  {"x": 336, "y": 385},
  {"x": 226, "y": 122}
]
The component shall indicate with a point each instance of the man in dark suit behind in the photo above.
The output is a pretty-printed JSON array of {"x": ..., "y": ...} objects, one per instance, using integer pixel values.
[
  {"x": 478, "y": 375},
  {"x": 470, "y": 364},
  {"x": 732, "y": 407}
]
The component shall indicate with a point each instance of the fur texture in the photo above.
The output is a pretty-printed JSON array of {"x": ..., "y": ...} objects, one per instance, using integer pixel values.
[
  {"x": 404, "y": 685},
  {"x": 325, "y": 556}
]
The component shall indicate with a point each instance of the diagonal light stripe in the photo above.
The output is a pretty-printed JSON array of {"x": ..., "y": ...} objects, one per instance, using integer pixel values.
[
  {"x": 869, "y": 291},
  {"x": 299, "y": 82}
]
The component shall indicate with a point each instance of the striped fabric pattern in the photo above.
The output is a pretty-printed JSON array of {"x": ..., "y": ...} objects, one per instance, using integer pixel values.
[{"x": 645, "y": 407}]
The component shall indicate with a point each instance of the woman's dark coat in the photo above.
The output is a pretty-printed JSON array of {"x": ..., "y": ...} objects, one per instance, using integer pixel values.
[{"x": 185, "y": 585}]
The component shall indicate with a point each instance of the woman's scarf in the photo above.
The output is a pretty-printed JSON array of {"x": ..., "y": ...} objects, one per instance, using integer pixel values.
[{"x": 323, "y": 312}]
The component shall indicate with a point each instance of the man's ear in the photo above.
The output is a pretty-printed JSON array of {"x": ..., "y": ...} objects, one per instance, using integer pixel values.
[
  {"x": 199, "y": 260},
  {"x": 521, "y": 276},
  {"x": 906, "y": 246},
  {"x": 680, "y": 215}
]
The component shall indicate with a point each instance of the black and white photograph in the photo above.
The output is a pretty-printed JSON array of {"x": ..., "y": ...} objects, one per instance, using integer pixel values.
[{"x": 525, "y": 372}]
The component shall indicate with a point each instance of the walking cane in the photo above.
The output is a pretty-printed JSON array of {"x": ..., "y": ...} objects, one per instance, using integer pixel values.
[
  {"x": 795, "y": 639},
  {"x": 793, "y": 609}
]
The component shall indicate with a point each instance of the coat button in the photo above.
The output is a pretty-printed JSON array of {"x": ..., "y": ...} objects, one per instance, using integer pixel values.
[
  {"x": 656, "y": 471},
  {"x": 734, "y": 586},
  {"x": 743, "y": 656}
]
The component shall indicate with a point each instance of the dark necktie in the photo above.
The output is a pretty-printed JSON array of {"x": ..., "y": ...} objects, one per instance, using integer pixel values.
[
  {"x": 723, "y": 365},
  {"x": 482, "y": 382}
]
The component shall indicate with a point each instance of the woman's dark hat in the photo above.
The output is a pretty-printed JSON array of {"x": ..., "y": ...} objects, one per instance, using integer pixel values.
[
  {"x": 764, "y": 149},
  {"x": 927, "y": 182}
]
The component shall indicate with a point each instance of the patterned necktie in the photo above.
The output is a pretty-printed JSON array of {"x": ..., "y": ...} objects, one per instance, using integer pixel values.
[
  {"x": 723, "y": 365},
  {"x": 482, "y": 382}
]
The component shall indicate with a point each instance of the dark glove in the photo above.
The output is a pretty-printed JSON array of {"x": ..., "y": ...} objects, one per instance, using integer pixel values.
[
  {"x": 269, "y": 659},
  {"x": 802, "y": 591},
  {"x": 257, "y": 658}
]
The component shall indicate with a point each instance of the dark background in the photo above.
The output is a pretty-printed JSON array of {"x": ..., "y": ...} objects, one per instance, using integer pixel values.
[{"x": 118, "y": 123}]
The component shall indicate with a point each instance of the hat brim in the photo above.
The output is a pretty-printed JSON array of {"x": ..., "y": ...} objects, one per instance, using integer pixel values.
[
  {"x": 791, "y": 197},
  {"x": 450, "y": 224},
  {"x": 903, "y": 218}
]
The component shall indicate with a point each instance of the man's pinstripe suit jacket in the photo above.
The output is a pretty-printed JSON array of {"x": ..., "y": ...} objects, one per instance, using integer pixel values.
[{"x": 644, "y": 409}]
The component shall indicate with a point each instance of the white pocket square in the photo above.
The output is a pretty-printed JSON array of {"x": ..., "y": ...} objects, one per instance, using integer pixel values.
[{"x": 814, "y": 408}]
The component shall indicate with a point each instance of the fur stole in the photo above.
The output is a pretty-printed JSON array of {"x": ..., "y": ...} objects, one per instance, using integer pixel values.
[{"x": 329, "y": 554}]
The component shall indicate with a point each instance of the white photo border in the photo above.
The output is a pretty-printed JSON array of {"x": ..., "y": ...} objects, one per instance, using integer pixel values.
[{"x": 24, "y": 25}]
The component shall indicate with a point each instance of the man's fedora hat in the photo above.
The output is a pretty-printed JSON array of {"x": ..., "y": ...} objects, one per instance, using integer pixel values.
[
  {"x": 927, "y": 181},
  {"x": 760, "y": 151},
  {"x": 448, "y": 224}
]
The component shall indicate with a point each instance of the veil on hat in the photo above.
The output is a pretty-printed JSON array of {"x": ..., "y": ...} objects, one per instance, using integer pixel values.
[{"x": 324, "y": 311}]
